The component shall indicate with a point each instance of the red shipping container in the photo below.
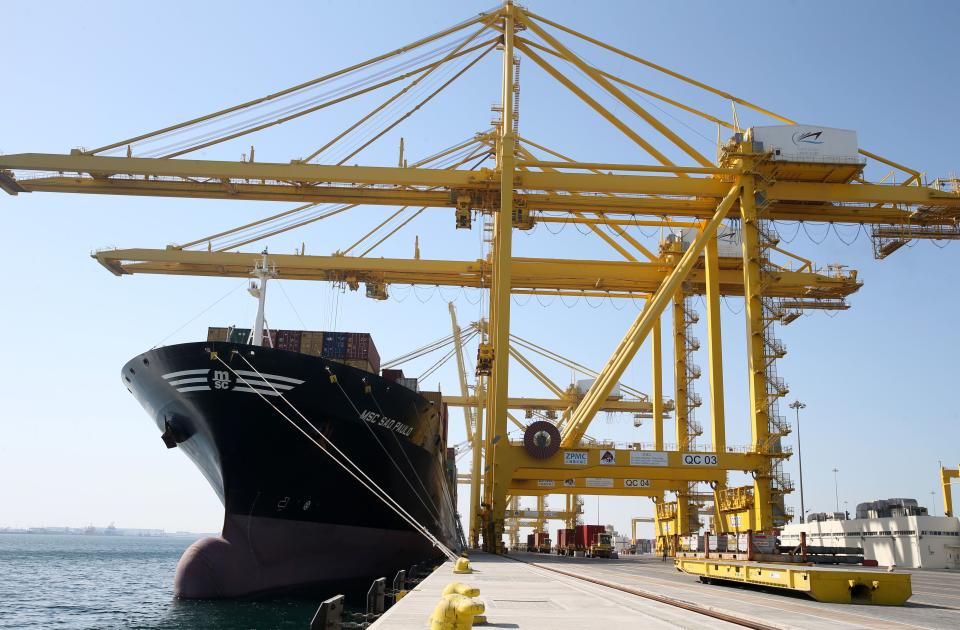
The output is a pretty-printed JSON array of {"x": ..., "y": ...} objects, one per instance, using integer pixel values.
[
  {"x": 565, "y": 538},
  {"x": 358, "y": 345},
  {"x": 389, "y": 374},
  {"x": 444, "y": 413},
  {"x": 540, "y": 539},
  {"x": 373, "y": 356},
  {"x": 587, "y": 535}
]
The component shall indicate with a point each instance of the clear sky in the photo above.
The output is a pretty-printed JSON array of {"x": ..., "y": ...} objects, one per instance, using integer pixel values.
[{"x": 75, "y": 448}]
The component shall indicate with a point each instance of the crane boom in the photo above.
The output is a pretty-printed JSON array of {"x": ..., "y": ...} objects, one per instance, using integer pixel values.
[{"x": 611, "y": 278}]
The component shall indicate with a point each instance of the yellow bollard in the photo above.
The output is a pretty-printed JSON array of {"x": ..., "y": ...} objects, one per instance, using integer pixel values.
[
  {"x": 462, "y": 565},
  {"x": 459, "y": 588},
  {"x": 455, "y": 612}
]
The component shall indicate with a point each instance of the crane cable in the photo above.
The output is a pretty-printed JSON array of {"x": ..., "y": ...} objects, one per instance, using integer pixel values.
[
  {"x": 419, "y": 352},
  {"x": 297, "y": 110},
  {"x": 396, "y": 98},
  {"x": 415, "y": 108},
  {"x": 295, "y": 218},
  {"x": 369, "y": 484},
  {"x": 283, "y": 94},
  {"x": 436, "y": 366},
  {"x": 549, "y": 354}
]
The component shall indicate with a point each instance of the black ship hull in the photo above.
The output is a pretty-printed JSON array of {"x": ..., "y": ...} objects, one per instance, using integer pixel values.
[{"x": 294, "y": 518}]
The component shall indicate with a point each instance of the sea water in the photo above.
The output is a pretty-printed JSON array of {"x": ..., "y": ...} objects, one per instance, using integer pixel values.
[{"x": 54, "y": 581}]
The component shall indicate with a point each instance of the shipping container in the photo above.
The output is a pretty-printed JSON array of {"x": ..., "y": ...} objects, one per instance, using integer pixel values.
[
  {"x": 531, "y": 542},
  {"x": 358, "y": 345},
  {"x": 239, "y": 335},
  {"x": 288, "y": 340},
  {"x": 391, "y": 374},
  {"x": 564, "y": 539},
  {"x": 361, "y": 346},
  {"x": 409, "y": 383},
  {"x": 436, "y": 401},
  {"x": 217, "y": 334},
  {"x": 242, "y": 335},
  {"x": 373, "y": 356},
  {"x": 762, "y": 543},
  {"x": 586, "y": 535},
  {"x": 542, "y": 542},
  {"x": 354, "y": 349},
  {"x": 354, "y": 363},
  {"x": 335, "y": 345},
  {"x": 445, "y": 419},
  {"x": 311, "y": 342},
  {"x": 717, "y": 543}
]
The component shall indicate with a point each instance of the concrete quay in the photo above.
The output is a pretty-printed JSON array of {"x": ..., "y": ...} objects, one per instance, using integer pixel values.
[{"x": 521, "y": 591}]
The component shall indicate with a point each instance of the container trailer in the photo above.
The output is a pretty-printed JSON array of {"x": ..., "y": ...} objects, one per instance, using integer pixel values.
[
  {"x": 566, "y": 542},
  {"x": 594, "y": 541}
]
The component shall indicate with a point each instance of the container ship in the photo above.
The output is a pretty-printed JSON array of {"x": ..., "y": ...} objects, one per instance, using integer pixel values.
[{"x": 257, "y": 412}]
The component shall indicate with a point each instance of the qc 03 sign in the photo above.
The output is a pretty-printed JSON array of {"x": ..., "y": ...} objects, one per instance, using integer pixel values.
[{"x": 698, "y": 459}]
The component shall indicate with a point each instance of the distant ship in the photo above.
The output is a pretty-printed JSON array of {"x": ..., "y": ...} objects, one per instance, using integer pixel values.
[{"x": 293, "y": 517}]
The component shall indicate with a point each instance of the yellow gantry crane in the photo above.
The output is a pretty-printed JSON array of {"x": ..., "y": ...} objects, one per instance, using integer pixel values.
[
  {"x": 947, "y": 475},
  {"x": 557, "y": 409},
  {"x": 513, "y": 183}
]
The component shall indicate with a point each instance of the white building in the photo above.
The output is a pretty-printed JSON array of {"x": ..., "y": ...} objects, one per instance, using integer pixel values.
[{"x": 927, "y": 542}]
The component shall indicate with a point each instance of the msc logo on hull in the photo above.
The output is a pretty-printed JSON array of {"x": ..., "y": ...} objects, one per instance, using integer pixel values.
[
  {"x": 224, "y": 380},
  {"x": 221, "y": 380}
]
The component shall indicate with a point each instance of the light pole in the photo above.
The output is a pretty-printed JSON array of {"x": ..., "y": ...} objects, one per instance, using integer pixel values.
[
  {"x": 797, "y": 405},
  {"x": 836, "y": 487}
]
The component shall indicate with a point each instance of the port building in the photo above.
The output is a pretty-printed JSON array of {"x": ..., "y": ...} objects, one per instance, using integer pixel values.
[{"x": 893, "y": 532}]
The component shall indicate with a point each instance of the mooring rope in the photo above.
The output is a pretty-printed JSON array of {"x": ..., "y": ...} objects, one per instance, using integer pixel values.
[
  {"x": 447, "y": 494},
  {"x": 445, "y": 490},
  {"x": 434, "y": 512},
  {"x": 369, "y": 484},
  {"x": 399, "y": 446}
]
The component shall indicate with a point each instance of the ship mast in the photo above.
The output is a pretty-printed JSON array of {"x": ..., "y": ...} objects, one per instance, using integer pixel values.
[{"x": 262, "y": 272}]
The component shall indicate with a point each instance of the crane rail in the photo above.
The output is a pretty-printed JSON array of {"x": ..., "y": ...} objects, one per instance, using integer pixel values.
[{"x": 663, "y": 599}]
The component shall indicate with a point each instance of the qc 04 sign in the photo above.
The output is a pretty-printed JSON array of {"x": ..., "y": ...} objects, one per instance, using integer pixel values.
[
  {"x": 698, "y": 459},
  {"x": 636, "y": 483}
]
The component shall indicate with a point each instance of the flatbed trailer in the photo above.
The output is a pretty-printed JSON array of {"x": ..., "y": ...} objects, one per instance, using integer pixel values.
[{"x": 824, "y": 584}]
